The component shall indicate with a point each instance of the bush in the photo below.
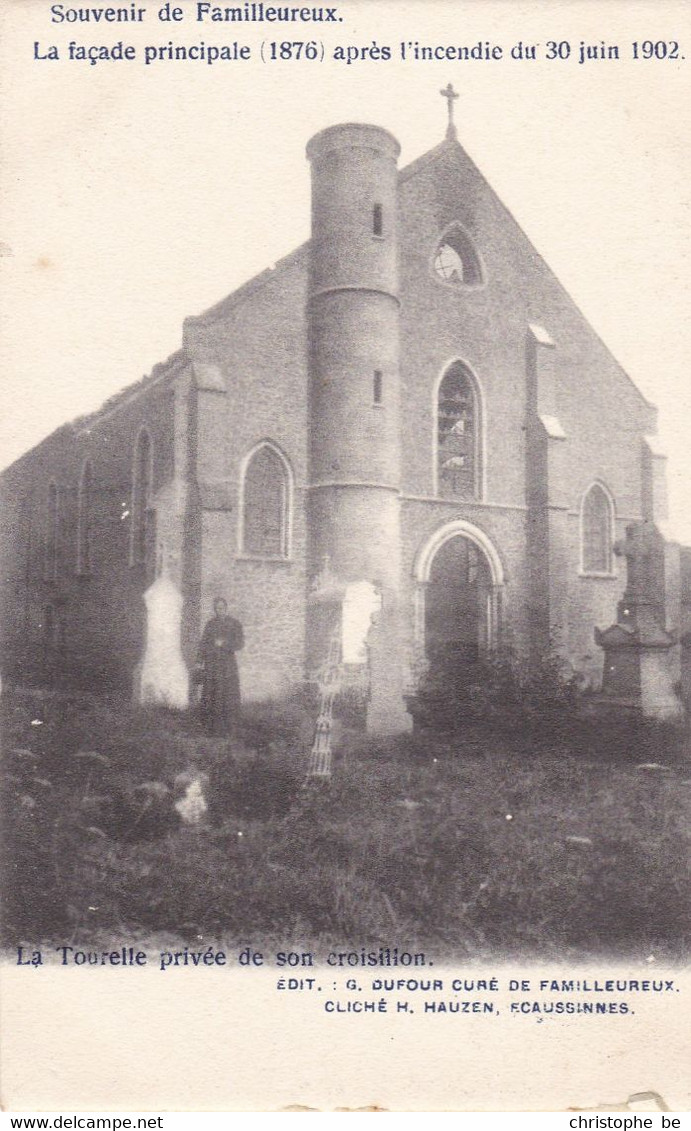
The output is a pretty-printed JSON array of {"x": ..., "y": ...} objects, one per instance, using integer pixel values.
[{"x": 501, "y": 692}]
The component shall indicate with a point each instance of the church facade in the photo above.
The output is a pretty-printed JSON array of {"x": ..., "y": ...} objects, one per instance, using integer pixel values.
[{"x": 410, "y": 399}]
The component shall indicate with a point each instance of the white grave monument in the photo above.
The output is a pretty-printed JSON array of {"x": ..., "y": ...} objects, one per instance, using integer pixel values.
[{"x": 163, "y": 675}]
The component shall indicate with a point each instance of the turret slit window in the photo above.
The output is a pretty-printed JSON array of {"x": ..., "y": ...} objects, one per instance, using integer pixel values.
[
  {"x": 50, "y": 560},
  {"x": 142, "y": 484},
  {"x": 597, "y": 530},
  {"x": 458, "y": 435},
  {"x": 266, "y": 505},
  {"x": 84, "y": 562},
  {"x": 455, "y": 260},
  {"x": 377, "y": 387},
  {"x": 377, "y": 220}
]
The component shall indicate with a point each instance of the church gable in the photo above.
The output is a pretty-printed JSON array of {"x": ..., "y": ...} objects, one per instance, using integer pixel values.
[{"x": 471, "y": 285}]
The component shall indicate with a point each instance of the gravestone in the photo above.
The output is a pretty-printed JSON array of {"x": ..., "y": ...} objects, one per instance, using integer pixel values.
[
  {"x": 639, "y": 672},
  {"x": 162, "y": 676}
]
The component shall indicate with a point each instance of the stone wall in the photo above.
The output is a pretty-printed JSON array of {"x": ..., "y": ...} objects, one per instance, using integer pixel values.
[
  {"x": 256, "y": 340},
  {"x": 82, "y": 628}
]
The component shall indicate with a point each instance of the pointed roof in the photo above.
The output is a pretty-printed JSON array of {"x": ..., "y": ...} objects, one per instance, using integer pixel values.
[{"x": 450, "y": 151}]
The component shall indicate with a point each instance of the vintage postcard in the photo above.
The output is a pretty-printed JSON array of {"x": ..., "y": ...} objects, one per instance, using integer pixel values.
[{"x": 346, "y": 555}]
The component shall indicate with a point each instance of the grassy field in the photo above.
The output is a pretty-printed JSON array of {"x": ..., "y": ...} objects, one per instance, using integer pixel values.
[{"x": 520, "y": 844}]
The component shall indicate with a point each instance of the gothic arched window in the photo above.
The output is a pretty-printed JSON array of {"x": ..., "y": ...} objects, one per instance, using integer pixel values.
[
  {"x": 458, "y": 435},
  {"x": 456, "y": 260},
  {"x": 50, "y": 560},
  {"x": 597, "y": 530},
  {"x": 266, "y": 504},
  {"x": 142, "y": 484},
  {"x": 84, "y": 502}
]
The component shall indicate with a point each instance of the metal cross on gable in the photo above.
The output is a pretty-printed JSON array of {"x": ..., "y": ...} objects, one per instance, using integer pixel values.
[{"x": 450, "y": 95}]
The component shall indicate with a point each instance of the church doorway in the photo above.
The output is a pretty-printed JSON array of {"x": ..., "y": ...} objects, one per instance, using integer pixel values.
[
  {"x": 459, "y": 582},
  {"x": 457, "y": 608}
]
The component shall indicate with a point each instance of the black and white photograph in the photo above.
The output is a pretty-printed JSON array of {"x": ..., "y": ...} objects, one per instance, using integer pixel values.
[{"x": 346, "y": 556}]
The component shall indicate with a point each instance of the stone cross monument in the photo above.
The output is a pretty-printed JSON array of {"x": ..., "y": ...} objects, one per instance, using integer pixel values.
[{"x": 638, "y": 671}]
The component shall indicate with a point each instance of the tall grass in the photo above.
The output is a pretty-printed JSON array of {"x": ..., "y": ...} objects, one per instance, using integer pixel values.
[{"x": 471, "y": 843}]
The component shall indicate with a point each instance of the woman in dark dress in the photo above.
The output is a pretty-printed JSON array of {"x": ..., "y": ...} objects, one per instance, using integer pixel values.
[{"x": 220, "y": 699}]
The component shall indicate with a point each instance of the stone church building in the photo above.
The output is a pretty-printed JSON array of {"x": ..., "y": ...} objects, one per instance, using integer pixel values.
[{"x": 409, "y": 399}]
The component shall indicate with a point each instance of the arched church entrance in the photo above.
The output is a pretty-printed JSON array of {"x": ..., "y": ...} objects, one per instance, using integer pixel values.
[
  {"x": 459, "y": 580},
  {"x": 456, "y": 607}
]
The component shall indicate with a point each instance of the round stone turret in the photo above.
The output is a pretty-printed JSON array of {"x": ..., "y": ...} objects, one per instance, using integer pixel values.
[
  {"x": 353, "y": 321},
  {"x": 354, "y": 310},
  {"x": 354, "y": 204}
]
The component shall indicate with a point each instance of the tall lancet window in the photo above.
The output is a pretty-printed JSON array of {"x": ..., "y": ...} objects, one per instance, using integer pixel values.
[
  {"x": 597, "y": 530},
  {"x": 84, "y": 519},
  {"x": 142, "y": 484},
  {"x": 50, "y": 558},
  {"x": 266, "y": 492},
  {"x": 458, "y": 435}
]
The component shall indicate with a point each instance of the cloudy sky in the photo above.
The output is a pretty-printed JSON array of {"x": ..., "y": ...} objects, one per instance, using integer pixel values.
[{"x": 134, "y": 196}]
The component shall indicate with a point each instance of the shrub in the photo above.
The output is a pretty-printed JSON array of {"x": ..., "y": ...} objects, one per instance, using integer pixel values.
[{"x": 501, "y": 692}]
